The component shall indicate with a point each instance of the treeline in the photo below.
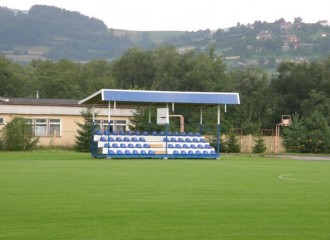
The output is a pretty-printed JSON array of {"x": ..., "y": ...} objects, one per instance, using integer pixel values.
[
  {"x": 296, "y": 88},
  {"x": 68, "y": 34}
]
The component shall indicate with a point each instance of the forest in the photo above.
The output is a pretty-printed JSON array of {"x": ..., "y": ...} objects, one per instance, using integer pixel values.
[{"x": 298, "y": 89}]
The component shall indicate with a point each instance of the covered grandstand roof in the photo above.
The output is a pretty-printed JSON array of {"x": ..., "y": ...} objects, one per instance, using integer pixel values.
[{"x": 143, "y": 97}]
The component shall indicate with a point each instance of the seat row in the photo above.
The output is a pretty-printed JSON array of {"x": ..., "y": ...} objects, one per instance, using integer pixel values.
[
  {"x": 193, "y": 146},
  {"x": 129, "y": 152},
  {"x": 195, "y": 140},
  {"x": 125, "y": 139},
  {"x": 191, "y": 152},
  {"x": 145, "y": 133},
  {"x": 123, "y": 145},
  {"x": 152, "y": 152}
]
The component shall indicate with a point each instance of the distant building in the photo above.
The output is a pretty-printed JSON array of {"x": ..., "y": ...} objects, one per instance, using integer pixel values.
[
  {"x": 324, "y": 23},
  {"x": 264, "y": 35}
]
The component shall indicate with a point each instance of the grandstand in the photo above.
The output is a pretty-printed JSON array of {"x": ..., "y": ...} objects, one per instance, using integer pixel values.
[{"x": 128, "y": 144}]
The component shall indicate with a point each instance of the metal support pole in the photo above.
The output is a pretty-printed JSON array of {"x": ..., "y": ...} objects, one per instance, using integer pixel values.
[
  {"x": 201, "y": 122},
  {"x": 149, "y": 121},
  {"x": 109, "y": 128},
  {"x": 219, "y": 132},
  {"x": 167, "y": 123}
]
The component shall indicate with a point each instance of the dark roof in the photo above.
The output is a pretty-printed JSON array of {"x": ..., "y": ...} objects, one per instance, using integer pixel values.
[
  {"x": 136, "y": 97},
  {"x": 34, "y": 101}
]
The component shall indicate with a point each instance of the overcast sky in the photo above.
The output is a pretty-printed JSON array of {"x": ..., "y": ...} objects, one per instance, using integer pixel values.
[{"x": 187, "y": 15}]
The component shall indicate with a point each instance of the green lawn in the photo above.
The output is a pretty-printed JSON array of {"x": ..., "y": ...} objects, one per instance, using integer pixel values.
[{"x": 53, "y": 194}]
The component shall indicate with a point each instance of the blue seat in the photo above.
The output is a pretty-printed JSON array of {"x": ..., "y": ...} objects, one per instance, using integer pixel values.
[
  {"x": 115, "y": 145},
  {"x": 185, "y": 145},
  {"x": 119, "y": 152},
  {"x": 143, "y": 152},
  {"x": 170, "y": 145},
  {"x": 146, "y": 145},
  {"x": 202, "y": 140},
  {"x": 111, "y": 151},
  {"x": 136, "y": 152},
  {"x": 144, "y": 133},
  {"x": 154, "y": 133},
  {"x": 198, "y": 152},
  {"x": 122, "y": 145},
  {"x": 178, "y": 146},
  {"x": 138, "y": 145},
  {"x": 106, "y": 132},
  {"x": 97, "y": 132},
  {"x": 103, "y": 139},
  {"x": 142, "y": 139},
  {"x": 192, "y": 146},
  {"x": 134, "y": 139},
  {"x": 183, "y": 152},
  {"x": 197, "y": 134},
  {"x": 183, "y": 134},
  {"x": 166, "y": 140},
  {"x": 190, "y": 134},
  {"x": 173, "y": 140},
  {"x": 161, "y": 133},
  {"x": 151, "y": 152},
  {"x": 127, "y": 152},
  {"x": 176, "y": 152},
  {"x": 191, "y": 152},
  {"x": 169, "y": 133},
  {"x": 195, "y": 140},
  {"x": 126, "y": 139},
  {"x": 119, "y": 139},
  {"x": 114, "y": 133},
  {"x": 111, "y": 139},
  {"x": 205, "y": 152},
  {"x": 207, "y": 146},
  {"x": 180, "y": 140},
  {"x": 137, "y": 133},
  {"x": 129, "y": 133},
  {"x": 121, "y": 133},
  {"x": 187, "y": 140},
  {"x": 200, "y": 146},
  {"x": 106, "y": 145},
  {"x": 130, "y": 145},
  {"x": 212, "y": 152},
  {"x": 176, "y": 133}
]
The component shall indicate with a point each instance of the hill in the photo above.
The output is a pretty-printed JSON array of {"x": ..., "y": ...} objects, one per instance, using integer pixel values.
[{"x": 46, "y": 32}]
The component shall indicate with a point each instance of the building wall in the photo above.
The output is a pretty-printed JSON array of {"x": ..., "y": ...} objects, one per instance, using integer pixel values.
[{"x": 69, "y": 117}]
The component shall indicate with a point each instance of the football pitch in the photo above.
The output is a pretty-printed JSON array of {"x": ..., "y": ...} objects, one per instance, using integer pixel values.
[{"x": 55, "y": 194}]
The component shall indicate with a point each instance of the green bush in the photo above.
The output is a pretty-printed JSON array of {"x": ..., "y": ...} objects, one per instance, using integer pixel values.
[
  {"x": 18, "y": 135},
  {"x": 83, "y": 139},
  {"x": 232, "y": 144},
  {"x": 259, "y": 146}
]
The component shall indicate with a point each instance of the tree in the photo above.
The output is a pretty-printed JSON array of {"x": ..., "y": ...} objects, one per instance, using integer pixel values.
[
  {"x": 259, "y": 146},
  {"x": 318, "y": 134},
  {"x": 232, "y": 144},
  {"x": 85, "y": 133},
  {"x": 18, "y": 135},
  {"x": 294, "y": 136}
]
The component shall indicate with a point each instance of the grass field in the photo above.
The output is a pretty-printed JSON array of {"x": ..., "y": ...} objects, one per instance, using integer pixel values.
[{"x": 53, "y": 194}]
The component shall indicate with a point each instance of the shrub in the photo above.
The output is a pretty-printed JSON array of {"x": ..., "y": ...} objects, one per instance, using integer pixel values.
[
  {"x": 18, "y": 135},
  {"x": 259, "y": 146},
  {"x": 84, "y": 137},
  {"x": 232, "y": 144}
]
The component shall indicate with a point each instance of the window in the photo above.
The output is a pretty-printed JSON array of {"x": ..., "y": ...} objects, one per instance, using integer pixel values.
[
  {"x": 45, "y": 126},
  {"x": 121, "y": 125},
  {"x": 54, "y": 127},
  {"x": 41, "y": 127},
  {"x": 117, "y": 125}
]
